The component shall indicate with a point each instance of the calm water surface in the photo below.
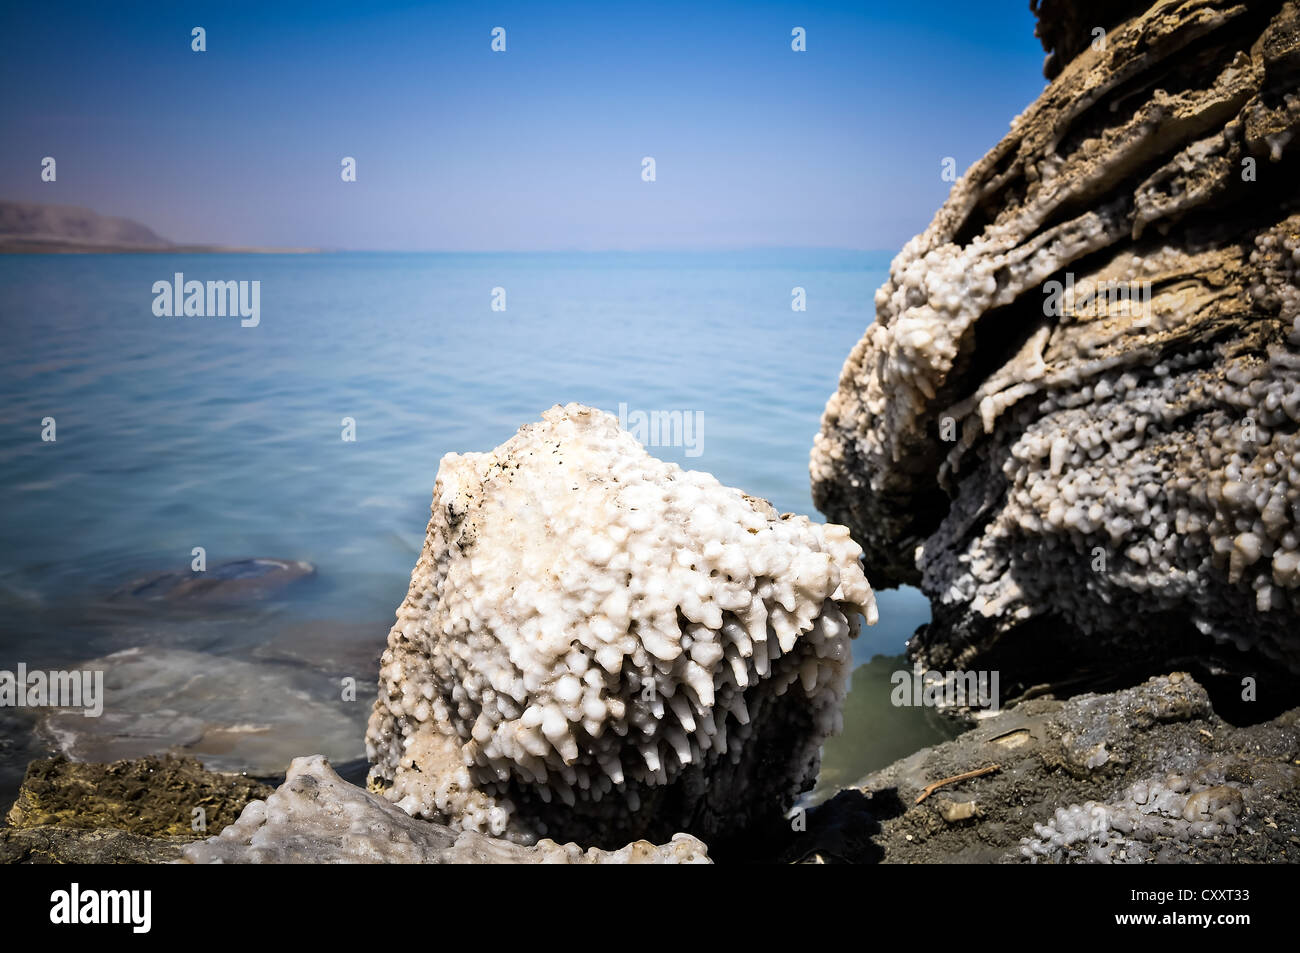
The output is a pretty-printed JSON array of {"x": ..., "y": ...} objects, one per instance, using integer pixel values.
[{"x": 174, "y": 433}]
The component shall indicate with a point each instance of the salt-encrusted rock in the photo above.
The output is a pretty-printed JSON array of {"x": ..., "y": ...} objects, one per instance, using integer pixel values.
[
  {"x": 600, "y": 646},
  {"x": 1172, "y": 809},
  {"x": 1075, "y": 422},
  {"x": 316, "y": 817},
  {"x": 1148, "y": 774}
]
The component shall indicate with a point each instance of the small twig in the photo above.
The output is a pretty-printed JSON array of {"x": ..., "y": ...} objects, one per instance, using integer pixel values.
[{"x": 931, "y": 788}]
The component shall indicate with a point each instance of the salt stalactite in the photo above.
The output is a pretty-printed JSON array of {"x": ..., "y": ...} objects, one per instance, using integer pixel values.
[
  {"x": 1076, "y": 417},
  {"x": 598, "y": 645}
]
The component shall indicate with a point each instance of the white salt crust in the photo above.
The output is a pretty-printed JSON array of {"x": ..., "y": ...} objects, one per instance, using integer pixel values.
[
  {"x": 316, "y": 817},
  {"x": 1151, "y": 820},
  {"x": 1122, "y": 498},
  {"x": 589, "y": 628}
]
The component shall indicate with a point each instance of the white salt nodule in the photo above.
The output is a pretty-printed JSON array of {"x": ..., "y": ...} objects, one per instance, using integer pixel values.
[{"x": 590, "y": 630}]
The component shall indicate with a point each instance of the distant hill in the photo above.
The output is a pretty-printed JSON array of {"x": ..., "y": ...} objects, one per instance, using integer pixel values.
[{"x": 27, "y": 227}]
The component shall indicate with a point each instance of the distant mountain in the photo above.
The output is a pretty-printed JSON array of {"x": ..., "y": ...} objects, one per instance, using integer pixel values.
[{"x": 27, "y": 227}]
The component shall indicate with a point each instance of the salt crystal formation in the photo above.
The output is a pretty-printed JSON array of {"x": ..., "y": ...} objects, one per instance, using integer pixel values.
[
  {"x": 316, "y": 817},
  {"x": 1176, "y": 808},
  {"x": 1111, "y": 461},
  {"x": 599, "y": 645},
  {"x": 1134, "y": 775}
]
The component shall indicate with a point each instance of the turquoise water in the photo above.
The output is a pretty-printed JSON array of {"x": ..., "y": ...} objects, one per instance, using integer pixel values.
[{"x": 175, "y": 433}]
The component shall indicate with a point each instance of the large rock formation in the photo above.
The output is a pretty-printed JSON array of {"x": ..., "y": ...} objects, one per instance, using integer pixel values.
[
  {"x": 1074, "y": 422},
  {"x": 600, "y": 646}
]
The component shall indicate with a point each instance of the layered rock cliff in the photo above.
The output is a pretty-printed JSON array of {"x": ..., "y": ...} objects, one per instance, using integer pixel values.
[{"x": 1075, "y": 422}]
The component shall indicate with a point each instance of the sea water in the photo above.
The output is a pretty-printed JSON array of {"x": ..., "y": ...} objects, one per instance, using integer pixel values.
[{"x": 315, "y": 435}]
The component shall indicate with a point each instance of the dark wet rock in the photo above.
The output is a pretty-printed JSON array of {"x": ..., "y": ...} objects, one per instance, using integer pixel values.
[
  {"x": 19, "y": 745},
  {"x": 150, "y": 796},
  {"x": 238, "y": 581},
  {"x": 1108, "y": 476},
  {"x": 64, "y": 845},
  {"x": 317, "y": 817},
  {"x": 1230, "y": 794},
  {"x": 127, "y": 812}
]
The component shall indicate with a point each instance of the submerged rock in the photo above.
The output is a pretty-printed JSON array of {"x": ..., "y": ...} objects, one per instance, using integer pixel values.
[
  {"x": 233, "y": 715},
  {"x": 327, "y": 645},
  {"x": 1075, "y": 422},
  {"x": 600, "y": 646},
  {"x": 237, "y": 581},
  {"x": 316, "y": 817}
]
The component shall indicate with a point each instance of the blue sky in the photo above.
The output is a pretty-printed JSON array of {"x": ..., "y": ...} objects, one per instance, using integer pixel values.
[{"x": 536, "y": 148}]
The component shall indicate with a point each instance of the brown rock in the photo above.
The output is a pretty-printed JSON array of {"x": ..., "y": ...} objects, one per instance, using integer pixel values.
[
  {"x": 151, "y": 797},
  {"x": 1075, "y": 422}
]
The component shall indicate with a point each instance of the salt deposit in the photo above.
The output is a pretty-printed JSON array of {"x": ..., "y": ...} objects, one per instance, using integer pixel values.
[{"x": 600, "y": 645}]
